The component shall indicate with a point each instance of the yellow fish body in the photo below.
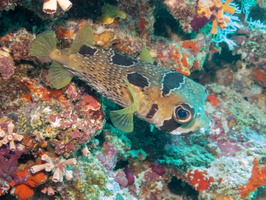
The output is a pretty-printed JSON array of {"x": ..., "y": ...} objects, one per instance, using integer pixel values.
[{"x": 164, "y": 98}]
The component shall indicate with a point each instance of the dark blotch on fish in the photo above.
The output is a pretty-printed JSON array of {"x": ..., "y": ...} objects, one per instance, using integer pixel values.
[
  {"x": 122, "y": 60},
  {"x": 138, "y": 80},
  {"x": 172, "y": 80},
  {"x": 170, "y": 125},
  {"x": 86, "y": 50},
  {"x": 152, "y": 111}
]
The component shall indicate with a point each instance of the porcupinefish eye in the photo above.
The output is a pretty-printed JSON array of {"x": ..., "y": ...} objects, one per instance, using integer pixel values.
[{"x": 183, "y": 113}]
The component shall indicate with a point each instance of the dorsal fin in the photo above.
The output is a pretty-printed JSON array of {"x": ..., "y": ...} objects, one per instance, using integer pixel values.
[{"x": 83, "y": 37}]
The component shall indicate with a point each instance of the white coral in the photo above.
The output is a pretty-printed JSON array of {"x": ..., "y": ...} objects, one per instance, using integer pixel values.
[
  {"x": 58, "y": 166},
  {"x": 50, "y": 6},
  {"x": 10, "y": 137}
]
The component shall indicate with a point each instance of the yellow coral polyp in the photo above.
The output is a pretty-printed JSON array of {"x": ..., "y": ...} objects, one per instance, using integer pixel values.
[
  {"x": 208, "y": 8},
  {"x": 227, "y": 8},
  {"x": 109, "y": 13}
]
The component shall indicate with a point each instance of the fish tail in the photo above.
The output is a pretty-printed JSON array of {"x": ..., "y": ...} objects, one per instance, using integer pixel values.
[{"x": 44, "y": 44}]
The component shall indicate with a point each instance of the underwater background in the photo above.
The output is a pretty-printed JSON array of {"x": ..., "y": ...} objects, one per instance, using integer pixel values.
[{"x": 61, "y": 144}]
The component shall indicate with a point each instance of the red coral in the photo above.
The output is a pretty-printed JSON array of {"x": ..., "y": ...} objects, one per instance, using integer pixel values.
[
  {"x": 191, "y": 46},
  {"x": 257, "y": 179},
  {"x": 213, "y": 99},
  {"x": 199, "y": 180},
  {"x": 89, "y": 103},
  {"x": 259, "y": 76},
  {"x": 45, "y": 93}
]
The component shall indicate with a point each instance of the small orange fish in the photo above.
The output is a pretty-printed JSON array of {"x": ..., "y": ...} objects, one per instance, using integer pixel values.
[{"x": 164, "y": 98}]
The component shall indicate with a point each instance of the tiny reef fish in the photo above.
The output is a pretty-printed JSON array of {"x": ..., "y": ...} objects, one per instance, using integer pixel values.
[{"x": 164, "y": 98}]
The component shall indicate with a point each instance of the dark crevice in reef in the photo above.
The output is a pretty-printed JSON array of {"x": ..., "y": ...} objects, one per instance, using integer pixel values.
[
  {"x": 165, "y": 23},
  {"x": 18, "y": 18},
  {"x": 179, "y": 187}
]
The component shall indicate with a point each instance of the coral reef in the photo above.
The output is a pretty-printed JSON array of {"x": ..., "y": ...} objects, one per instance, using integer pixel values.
[
  {"x": 183, "y": 11},
  {"x": 7, "y": 4},
  {"x": 60, "y": 144}
]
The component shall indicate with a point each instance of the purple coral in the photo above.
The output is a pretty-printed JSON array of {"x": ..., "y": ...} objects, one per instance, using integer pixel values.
[
  {"x": 7, "y": 67},
  {"x": 8, "y": 165}
]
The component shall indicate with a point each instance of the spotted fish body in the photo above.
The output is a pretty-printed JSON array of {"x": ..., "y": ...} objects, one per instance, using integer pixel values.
[{"x": 164, "y": 98}]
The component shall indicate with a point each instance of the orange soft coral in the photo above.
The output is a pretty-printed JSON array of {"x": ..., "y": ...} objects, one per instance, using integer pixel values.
[
  {"x": 26, "y": 190},
  {"x": 257, "y": 179},
  {"x": 216, "y": 9},
  {"x": 45, "y": 93}
]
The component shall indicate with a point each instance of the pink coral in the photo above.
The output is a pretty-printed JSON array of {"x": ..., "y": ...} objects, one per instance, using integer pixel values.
[
  {"x": 7, "y": 67},
  {"x": 157, "y": 168},
  {"x": 120, "y": 177},
  {"x": 129, "y": 175}
]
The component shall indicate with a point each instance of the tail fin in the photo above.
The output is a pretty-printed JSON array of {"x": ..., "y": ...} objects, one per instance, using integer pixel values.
[{"x": 43, "y": 44}]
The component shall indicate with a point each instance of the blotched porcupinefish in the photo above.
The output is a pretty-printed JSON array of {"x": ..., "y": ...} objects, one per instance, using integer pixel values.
[{"x": 164, "y": 98}]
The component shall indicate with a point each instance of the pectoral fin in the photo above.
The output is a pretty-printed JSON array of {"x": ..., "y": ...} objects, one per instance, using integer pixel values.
[
  {"x": 58, "y": 75},
  {"x": 123, "y": 119}
]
